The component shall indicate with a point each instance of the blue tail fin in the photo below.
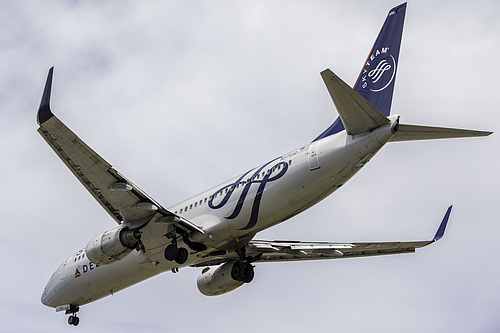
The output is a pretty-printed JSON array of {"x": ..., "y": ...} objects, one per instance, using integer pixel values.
[{"x": 376, "y": 80}]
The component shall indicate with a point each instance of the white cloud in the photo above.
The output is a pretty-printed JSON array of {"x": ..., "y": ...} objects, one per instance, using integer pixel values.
[{"x": 180, "y": 96}]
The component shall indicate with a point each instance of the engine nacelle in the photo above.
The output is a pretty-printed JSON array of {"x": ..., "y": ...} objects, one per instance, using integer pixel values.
[
  {"x": 112, "y": 245},
  {"x": 215, "y": 281}
]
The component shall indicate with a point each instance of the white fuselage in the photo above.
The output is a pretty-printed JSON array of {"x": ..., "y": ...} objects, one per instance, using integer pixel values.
[{"x": 230, "y": 214}]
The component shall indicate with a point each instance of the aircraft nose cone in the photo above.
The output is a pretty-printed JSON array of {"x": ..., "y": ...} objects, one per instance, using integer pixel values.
[
  {"x": 49, "y": 293},
  {"x": 45, "y": 299}
]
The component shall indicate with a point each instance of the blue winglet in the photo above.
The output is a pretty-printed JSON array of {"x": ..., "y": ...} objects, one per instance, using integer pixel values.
[
  {"x": 442, "y": 226},
  {"x": 44, "y": 112}
]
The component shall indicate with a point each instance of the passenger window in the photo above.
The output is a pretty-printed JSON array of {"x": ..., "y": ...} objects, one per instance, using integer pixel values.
[
  {"x": 191, "y": 206},
  {"x": 290, "y": 162},
  {"x": 180, "y": 211},
  {"x": 196, "y": 204}
]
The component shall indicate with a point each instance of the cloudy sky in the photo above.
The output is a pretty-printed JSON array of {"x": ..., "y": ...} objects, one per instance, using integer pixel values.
[{"x": 182, "y": 95}]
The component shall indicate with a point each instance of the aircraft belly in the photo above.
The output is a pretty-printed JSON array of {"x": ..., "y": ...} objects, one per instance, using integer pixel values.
[{"x": 91, "y": 282}]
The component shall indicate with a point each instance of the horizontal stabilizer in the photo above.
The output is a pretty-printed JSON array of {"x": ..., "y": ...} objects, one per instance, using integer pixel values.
[
  {"x": 356, "y": 113},
  {"x": 416, "y": 132}
]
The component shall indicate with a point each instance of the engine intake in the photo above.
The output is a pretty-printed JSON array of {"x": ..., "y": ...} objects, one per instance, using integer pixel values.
[{"x": 112, "y": 245}]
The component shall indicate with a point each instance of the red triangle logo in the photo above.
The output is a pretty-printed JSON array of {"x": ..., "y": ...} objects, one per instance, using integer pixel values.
[{"x": 77, "y": 273}]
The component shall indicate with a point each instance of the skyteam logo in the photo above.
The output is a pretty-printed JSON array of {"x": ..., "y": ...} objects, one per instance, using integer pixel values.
[
  {"x": 379, "y": 71},
  {"x": 261, "y": 177}
]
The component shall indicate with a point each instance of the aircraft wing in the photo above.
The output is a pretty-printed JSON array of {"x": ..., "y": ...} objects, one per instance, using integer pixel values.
[
  {"x": 280, "y": 251},
  {"x": 123, "y": 200}
]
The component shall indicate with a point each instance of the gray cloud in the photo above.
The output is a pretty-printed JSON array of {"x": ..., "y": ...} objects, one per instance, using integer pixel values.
[{"x": 180, "y": 96}]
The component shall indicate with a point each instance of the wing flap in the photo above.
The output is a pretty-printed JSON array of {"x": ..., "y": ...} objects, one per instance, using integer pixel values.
[
  {"x": 282, "y": 251},
  {"x": 317, "y": 251}
]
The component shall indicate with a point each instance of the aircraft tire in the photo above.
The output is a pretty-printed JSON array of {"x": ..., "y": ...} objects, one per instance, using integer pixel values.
[
  {"x": 73, "y": 320},
  {"x": 182, "y": 256},
  {"x": 249, "y": 273},
  {"x": 238, "y": 271},
  {"x": 171, "y": 252}
]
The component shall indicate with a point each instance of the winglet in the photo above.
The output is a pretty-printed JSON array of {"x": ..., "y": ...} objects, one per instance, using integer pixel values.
[
  {"x": 44, "y": 112},
  {"x": 442, "y": 226}
]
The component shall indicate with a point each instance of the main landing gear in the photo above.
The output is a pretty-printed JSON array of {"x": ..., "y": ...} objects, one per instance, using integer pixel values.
[
  {"x": 173, "y": 252},
  {"x": 243, "y": 270}
]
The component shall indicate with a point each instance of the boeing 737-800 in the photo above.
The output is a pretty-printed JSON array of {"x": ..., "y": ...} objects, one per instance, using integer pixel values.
[{"x": 216, "y": 229}]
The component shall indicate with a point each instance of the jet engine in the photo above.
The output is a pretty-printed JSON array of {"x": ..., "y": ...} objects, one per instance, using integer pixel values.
[
  {"x": 215, "y": 281},
  {"x": 112, "y": 245}
]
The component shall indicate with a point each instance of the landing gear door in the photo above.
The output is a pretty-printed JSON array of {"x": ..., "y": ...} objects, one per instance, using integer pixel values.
[{"x": 313, "y": 156}]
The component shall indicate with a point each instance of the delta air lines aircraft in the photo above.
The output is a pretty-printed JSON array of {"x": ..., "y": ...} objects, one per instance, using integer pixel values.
[{"x": 215, "y": 229}]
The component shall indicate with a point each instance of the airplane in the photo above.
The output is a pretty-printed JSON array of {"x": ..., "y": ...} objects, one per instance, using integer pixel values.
[{"x": 216, "y": 228}]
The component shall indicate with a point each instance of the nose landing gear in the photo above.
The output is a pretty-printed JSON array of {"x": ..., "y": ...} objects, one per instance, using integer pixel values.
[
  {"x": 70, "y": 309},
  {"x": 73, "y": 320}
]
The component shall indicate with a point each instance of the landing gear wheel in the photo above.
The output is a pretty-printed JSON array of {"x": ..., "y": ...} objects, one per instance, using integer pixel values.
[
  {"x": 238, "y": 271},
  {"x": 182, "y": 256},
  {"x": 249, "y": 273},
  {"x": 171, "y": 252},
  {"x": 73, "y": 320}
]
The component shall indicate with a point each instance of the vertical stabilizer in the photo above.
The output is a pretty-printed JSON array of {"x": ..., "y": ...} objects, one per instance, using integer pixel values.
[{"x": 376, "y": 80}]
